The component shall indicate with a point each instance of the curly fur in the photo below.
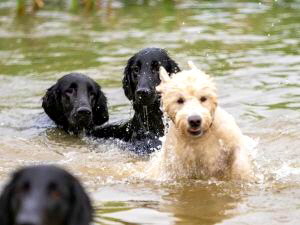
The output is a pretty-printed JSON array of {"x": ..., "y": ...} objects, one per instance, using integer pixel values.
[{"x": 214, "y": 148}]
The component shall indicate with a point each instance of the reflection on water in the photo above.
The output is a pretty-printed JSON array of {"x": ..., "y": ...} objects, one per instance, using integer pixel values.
[
  {"x": 252, "y": 49},
  {"x": 214, "y": 202}
]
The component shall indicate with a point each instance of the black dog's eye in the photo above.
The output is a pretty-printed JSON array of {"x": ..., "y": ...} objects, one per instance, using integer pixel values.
[
  {"x": 92, "y": 95},
  {"x": 136, "y": 69},
  {"x": 25, "y": 187},
  {"x": 180, "y": 101},
  {"x": 55, "y": 194},
  {"x": 203, "y": 99},
  {"x": 53, "y": 191},
  {"x": 155, "y": 66},
  {"x": 69, "y": 91}
]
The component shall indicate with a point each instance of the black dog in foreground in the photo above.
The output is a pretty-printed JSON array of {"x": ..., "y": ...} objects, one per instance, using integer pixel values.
[
  {"x": 44, "y": 195},
  {"x": 76, "y": 103},
  {"x": 141, "y": 76}
]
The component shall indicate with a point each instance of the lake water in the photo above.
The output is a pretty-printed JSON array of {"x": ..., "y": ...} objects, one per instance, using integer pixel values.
[{"x": 252, "y": 48}]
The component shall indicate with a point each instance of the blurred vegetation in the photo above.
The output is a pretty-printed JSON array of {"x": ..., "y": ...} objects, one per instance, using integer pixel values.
[
  {"x": 24, "y": 6},
  {"x": 30, "y": 6}
]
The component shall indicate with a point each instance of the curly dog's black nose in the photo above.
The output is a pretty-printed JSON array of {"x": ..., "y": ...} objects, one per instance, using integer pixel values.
[{"x": 194, "y": 121}]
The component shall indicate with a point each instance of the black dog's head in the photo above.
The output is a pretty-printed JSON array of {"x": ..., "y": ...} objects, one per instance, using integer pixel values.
[
  {"x": 141, "y": 74},
  {"x": 76, "y": 102},
  {"x": 44, "y": 195}
]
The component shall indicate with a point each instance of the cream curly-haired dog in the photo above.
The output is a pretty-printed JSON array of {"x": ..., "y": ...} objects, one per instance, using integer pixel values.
[{"x": 203, "y": 141}]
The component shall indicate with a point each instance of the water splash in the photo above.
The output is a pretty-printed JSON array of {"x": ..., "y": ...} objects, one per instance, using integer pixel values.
[
  {"x": 285, "y": 171},
  {"x": 155, "y": 169}
]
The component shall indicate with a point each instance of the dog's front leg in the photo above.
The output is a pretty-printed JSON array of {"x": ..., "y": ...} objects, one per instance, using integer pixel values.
[{"x": 241, "y": 167}]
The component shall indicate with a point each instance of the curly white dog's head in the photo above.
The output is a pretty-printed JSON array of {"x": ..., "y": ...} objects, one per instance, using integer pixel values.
[{"x": 189, "y": 98}]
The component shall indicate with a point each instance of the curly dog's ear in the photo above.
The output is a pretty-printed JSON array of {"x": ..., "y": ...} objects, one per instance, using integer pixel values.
[
  {"x": 6, "y": 214},
  {"x": 52, "y": 105},
  {"x": 100, "y": 111},
  {"x": 128, "y": 85},
  {"x": 163, "y": 75},
  {"x": 172, "y": 66},
  {"x": 81, "y": 208},
  {"x": 164, "y": 78}
]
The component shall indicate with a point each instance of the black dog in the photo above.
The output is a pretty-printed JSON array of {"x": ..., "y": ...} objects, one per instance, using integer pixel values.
[
  {"x": 44, "y": 195},
  {"x": 76, "y": 102},
  {"x": 141, "y": 76}
]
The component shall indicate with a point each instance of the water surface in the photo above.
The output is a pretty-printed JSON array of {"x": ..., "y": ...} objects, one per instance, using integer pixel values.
[{"x": 250, "y": 47}]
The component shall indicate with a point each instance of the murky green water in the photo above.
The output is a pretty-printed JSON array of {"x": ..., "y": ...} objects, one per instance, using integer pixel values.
[{"x": 252, "y": 48}]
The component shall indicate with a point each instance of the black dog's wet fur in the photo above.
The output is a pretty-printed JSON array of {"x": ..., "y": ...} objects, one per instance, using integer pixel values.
[
  {"x": 72, "y": 93},
  {"x": 141, "y": 76},
  {"x": 44, "y": 195}
]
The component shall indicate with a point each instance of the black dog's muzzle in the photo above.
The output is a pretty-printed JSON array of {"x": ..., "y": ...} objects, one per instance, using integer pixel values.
[
  {"x": 82, "y": 117},
  {"x": 145, "y": 96},
  {"x": 83, "y": 113},
  {"x": 31, "y": 212}
]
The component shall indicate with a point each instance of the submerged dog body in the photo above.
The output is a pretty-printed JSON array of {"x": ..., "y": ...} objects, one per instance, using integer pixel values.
[
  {"x": 44, "y": 195},
  {"x": 76, "y": 103},
  {"x": 141, "y": 76},
  {"x": 203, "y": 141}
]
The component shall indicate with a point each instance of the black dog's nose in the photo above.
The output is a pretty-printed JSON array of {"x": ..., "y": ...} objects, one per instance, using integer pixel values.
[
  {"x": 28, "y": 220},
  {"x": 27, "y": 223},
  {"x": 143, "y": 92},
  {"x": 84, "y": 112},
  {"x": 194, "y": 121}
]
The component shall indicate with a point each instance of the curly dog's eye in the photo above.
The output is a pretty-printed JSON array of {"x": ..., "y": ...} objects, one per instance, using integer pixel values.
[
  {"x": 180, "y": 101},
  {"x": 203, "y": 99}
]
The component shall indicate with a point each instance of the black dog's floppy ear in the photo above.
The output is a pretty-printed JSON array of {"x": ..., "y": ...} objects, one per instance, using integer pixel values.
[
  {"x": 52, "y": 105},
  {"x": 127, "y": 82},
  {"x": 100, "y": 111},
  {"x": 6, "y": 214},
  {"x": 82, "y": 210},
  {"x": 172, "y": 66}
]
